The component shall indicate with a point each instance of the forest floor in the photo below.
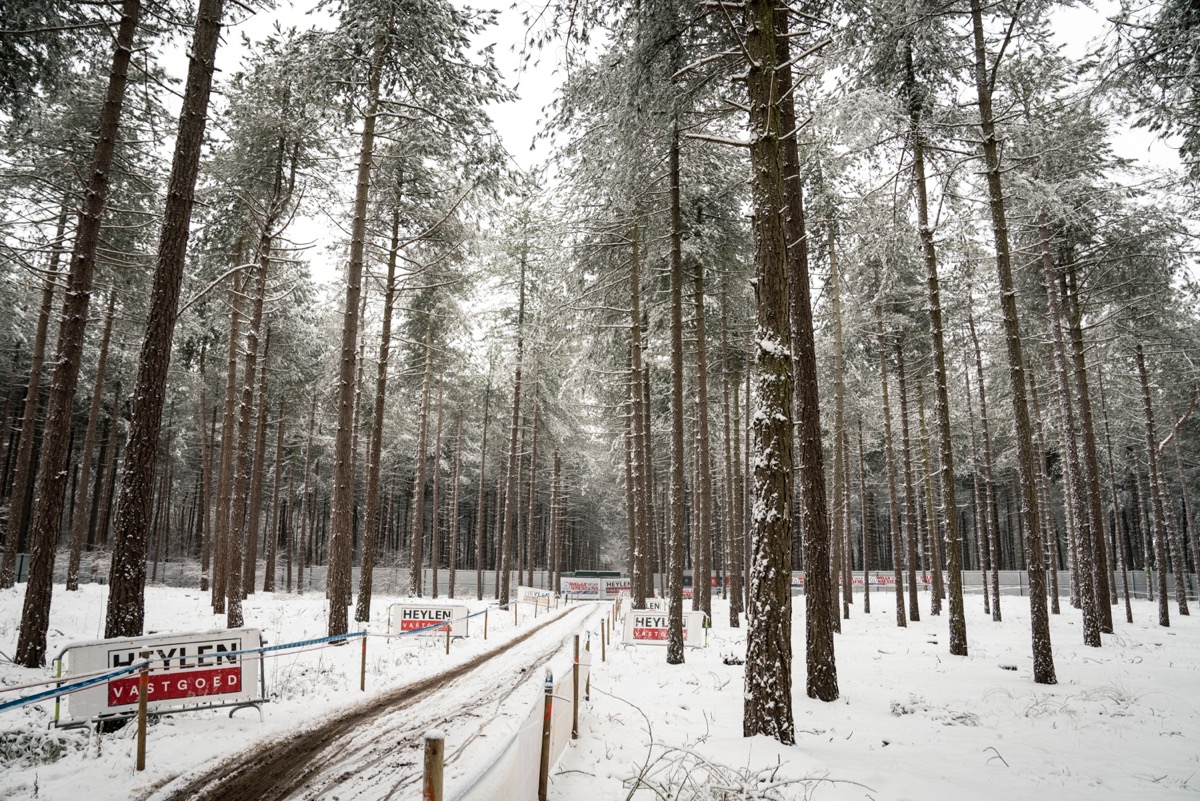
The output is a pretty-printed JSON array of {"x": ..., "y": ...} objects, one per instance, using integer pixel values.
[{"x": 912, "y": 721}]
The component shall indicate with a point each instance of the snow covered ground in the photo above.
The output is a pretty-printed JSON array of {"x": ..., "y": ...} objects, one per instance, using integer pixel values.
[{"x": 1123, "y": 722}]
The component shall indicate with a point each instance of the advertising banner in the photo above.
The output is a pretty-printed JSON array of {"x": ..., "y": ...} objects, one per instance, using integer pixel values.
[
  {"x": 543, "y": 599},
  {"x": 424, "y": 618},
  {"x": 186, "y": 671},
  {"x": 590, "y": 588},
  {"x": 649, "y": 627}
]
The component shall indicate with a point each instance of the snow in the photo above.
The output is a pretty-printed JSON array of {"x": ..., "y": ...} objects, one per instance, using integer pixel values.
[{"x": 912, "y": 721}]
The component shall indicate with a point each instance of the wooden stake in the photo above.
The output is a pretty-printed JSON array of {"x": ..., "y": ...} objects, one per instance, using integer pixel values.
[
  {"x": 485, "y": 613},
  {"x": 603, "y": 639},
  {"x": 362, "y": 681},
  {"x": 575, "y": 693},
  {"x": 435, "y": 753},
  {"x": 143, "y": 691},
  {"x": 544, "y": 768},
  {"x": 516, "y": 621},
  {"x": 447, "y": 639}
]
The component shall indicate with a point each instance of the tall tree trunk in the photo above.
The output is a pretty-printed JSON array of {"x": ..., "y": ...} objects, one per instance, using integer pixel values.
[
  {"x": 890, "y": 458},
  {"x": 452, "y": 533},
  {"x": 677, "y": 524},
  {"x": 343, "y": 467},
  {"x": 531, "y": 513},
  {"x": 702, "y": 581},
  {"x": 417, "y": 535},
  {"x": 305, "y": 500},
  {"x": 730, "y": 512},
  {"x": 79, "y": 517},
  {"x": 1091, "y": 460},
  {"x": 977, "y": 497},
  {"x": 935, "y": 552},
  {"x": 868, "y": 523},
  {"x": 989, "y": 517},
  {"x": 1085, "y": 566},
  {"x": 254, "y": 510},
  {"x": 225, "y": 468},
  {"x": 808, "y": 456},
  {"x": 50, "y": 483},
  {"x": 925, "y": 229},
  {"x": 26, "y": 460},
  {"x": 504, "y": 562},
  {"x": 1044, "y": 494},
  {"x": 362, "y": 611},
  {"x": 1112, "y": 491},
  {"x": 481, "y": 510},
  {"x": 435, "y": 531},
  {"x": 276, "y": 511},
  {"x": 1043, "y": 654},
  {"x": 126, "y": 604},
  {"x": 910, "y": 498},
  {"x": 1159, "y": 519},
  {"x": 768, "y": 680},
  {"x": 840, "y": 456}
]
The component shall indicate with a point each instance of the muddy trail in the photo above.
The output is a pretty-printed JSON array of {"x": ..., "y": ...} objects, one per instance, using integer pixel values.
[{"x": 374, "y": 749}]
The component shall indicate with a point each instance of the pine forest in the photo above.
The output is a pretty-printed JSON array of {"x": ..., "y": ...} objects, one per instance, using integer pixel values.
[{"x": 785, "y": 293}]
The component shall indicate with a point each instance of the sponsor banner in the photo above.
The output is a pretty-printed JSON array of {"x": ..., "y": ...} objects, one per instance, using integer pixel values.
[
  {"x": 186, "y": 670},
  {"x": 649, "y": 627},
  {"x": 874, "y": 580},
  {"x": 537, "y": 597},
  {"x": 583, "y": 587},
  {"x": 614, "y": 587},
  {"x": 425, "y": 619},
  {"x": 659, "y": 604}
]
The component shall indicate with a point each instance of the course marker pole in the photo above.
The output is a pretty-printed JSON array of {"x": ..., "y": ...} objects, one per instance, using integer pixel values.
[
  {"x": 143, "y": 691},
  {"x": 575, "y": 693},
  {"x": 435, "y": 752},
  {"x": 544, "y": 768},
  {"x": 362, "y": 682},
  {"x": 485, "y": 613},
  {"x": 603, "y": 638}
]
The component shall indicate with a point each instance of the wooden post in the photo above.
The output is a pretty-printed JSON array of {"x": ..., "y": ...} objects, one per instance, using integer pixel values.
[
  {"x": 587, "y": 692},
  {"x": 575, "y": 693},
  {"x": 603, "y": 639},
  {"x": 447, "y": 639},
  {"x": 435, "y": 754},
  {"x": 362, "y": 681},
  {"x": 485, "y": 613},
  {"x": 544, "y": 768},
  {"x": 143, "y": 691},
  {"x": 516, "y": 620}
]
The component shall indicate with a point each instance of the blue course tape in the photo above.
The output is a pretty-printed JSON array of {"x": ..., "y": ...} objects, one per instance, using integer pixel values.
[{"x": 66, "y": 689}]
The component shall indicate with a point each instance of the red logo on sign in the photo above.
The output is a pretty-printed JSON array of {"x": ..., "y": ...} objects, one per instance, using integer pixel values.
[
  {"x": 193, "y": 684},
  {"x": 416, "y": 625}
]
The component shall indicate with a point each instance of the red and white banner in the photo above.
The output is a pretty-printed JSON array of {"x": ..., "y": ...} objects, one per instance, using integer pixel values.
[
  {"x": 649, "y": 627},
  {"x": 186, "y": 670},
  {"x": 428, "y": 619},
  {"x": 583, "y": 587}
]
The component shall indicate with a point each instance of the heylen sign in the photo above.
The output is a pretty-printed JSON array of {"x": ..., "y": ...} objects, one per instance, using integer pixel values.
[
  {"x": 649, "y": 627},
  {"x": 428, "y": 619},
  {"x": 186, "y": 670}
]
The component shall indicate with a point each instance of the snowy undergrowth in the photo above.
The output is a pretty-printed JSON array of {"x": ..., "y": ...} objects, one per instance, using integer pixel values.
[
  {"x": 912, "y": 721},
  {"x": 38, "y": 761}
]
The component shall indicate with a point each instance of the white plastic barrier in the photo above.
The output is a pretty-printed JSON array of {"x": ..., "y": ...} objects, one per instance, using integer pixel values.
[
  {"x": 649, "y": 627},
  {"x": 426, "y": 617}
]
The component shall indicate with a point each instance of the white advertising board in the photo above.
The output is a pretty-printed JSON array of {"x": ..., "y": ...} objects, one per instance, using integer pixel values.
[
  {"x": 187, "y": 670},
  {"x": 659, "y": 604},
  {"x": 614, "y": 587},
  {"x": 582, "y": 587},
  {"x": 649, "y": 627},
  {"x": 425, "y": 619},
  {"x": 535, "y": 596}
]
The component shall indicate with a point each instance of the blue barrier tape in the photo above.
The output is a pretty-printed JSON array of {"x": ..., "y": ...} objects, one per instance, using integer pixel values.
[
  {"x": 67, "y": 689},
  {"x": 70, "y": 688}
]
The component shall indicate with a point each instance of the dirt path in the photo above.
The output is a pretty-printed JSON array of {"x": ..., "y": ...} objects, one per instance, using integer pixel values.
[{"x": 375, "y": 745}]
